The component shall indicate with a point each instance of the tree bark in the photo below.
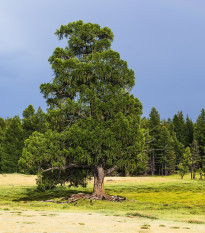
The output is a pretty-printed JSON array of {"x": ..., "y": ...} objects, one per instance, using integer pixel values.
[
  {"x": 98, "y": 188},
  {"x": 152, "y": 164}
]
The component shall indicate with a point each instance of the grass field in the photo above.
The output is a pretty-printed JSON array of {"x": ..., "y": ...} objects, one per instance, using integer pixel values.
[{"x": 153, "y": 204}]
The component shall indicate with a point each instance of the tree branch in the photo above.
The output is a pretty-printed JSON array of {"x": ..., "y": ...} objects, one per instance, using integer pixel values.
[
  {"x": 66, "y": 167},
  {"x": 156, "y": 149},
  {"x": 110, "y": 170}
]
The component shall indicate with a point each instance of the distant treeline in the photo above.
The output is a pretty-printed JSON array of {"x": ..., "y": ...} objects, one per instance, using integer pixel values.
[{"x": 173, "y": 145}]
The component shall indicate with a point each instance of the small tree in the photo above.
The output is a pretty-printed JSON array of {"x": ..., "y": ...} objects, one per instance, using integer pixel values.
[
  {"x": 95, "y": 122},
  {"x": 182, "y": 170},
  {"x": 183, "y": 167},
  {"x": 194, "y": 158}
]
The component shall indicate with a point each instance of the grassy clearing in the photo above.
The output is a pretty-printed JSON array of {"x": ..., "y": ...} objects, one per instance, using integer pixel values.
[{"x": 168, "y": 198}]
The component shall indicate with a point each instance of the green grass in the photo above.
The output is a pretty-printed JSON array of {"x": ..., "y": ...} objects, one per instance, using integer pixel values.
[{"x": 155, "y": 198}]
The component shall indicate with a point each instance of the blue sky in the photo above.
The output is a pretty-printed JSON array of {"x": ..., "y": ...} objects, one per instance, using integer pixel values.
[{"x": 163, "y": 41}]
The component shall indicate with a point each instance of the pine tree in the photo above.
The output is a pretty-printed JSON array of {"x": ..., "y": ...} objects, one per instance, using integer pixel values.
[
  {"x": 166, "y": 154},
  {"x": 2, "y": 129},
  {"x": 33, "y": 121},
  {"x": 199, "y": 134},
  {"x": 154, "y": 131},
  {"x": 183, "y": 167},
  {"x": 12, "y": 146},
  {"x": 188, "y": 132},
  {"x": 179, "y": 127},
  {"x": 179, "y": 148},
  {"x": 194, "y": 158},
  {"x": 146, "y": 149},
  {"x": 95, "y": 121}
]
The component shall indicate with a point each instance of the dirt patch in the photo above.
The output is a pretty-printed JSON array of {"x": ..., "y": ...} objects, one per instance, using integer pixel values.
[{"x": 33, "y": 221}]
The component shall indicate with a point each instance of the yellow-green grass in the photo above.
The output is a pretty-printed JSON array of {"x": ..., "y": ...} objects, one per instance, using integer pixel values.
[{"x": 168, "y": 198}]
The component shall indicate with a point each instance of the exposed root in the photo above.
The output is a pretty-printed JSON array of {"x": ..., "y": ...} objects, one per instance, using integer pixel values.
[{"x": 83, "y": 196}]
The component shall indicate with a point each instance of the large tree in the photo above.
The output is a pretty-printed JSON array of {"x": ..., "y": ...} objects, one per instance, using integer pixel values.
[{"x": 95, "y": 121}]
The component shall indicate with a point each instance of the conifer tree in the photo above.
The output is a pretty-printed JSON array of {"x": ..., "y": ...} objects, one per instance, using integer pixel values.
[
  {"x": 179, "y": 148},
  {"x": 199, "y": 134},
  {"x": 154, "y": 131},
  {"x": 166, "y": 154},
  {"x": 95, "y": 121},
  {"x": 188, "y": 132},
  {"x": 33, "y": 121},
  {"x": 179, "y": 126},
  {"x": 12, "y": 146},
  {"x": 194, "y": 158},
  {"x": 183, "y": 167},
  {"x": 2, "y": 128}
]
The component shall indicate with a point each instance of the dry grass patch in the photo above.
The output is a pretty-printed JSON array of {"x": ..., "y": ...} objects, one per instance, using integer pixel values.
[{"x": 17, "y": 179}]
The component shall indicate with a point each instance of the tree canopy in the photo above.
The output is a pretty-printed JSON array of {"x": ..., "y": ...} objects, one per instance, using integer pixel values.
[{"x": 94, "y": 120}]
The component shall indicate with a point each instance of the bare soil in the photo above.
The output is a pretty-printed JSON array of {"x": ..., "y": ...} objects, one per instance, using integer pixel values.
[{"x": 40, "y": 221}]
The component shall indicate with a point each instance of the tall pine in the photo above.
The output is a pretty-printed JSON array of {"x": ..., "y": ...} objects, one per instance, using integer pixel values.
[
  {"x": 199, "y": 134},
  {"x": 12, "y": 146},
  {"x": 154, "y": 131},
  {"x": 179, "y": 126}
]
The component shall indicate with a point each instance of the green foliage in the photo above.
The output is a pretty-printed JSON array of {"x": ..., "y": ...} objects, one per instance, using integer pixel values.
[
  {"x": 188, "y": 132},
  {"x": 182, "y": 170},
  {"x": 178, "y": 146},
  {"x": 154, "y": 132},
  {"x": 33, "y": 121},
  {"x": 194, "y": 158},
  {"x": 183, "y": 167},
  {"x": 167, "y": 154},
  {"x": 2, "y": 129},
  {"x": 199, "y": 133},
  {"x": 94, "y": 120},
  {"x": 12, "y": 146},
  {"x": 179, "y": 126}
]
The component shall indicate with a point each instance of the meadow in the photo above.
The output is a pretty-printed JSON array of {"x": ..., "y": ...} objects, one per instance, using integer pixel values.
[{"x": 153, "y": 204}]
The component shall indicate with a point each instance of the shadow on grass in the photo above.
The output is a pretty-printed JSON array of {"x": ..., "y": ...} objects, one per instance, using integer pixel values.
[{"x": 58, "y": 192}]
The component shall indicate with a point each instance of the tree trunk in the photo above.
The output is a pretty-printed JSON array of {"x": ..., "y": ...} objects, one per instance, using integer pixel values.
[
  {"x": 98, "y": 189},
  {"x": 200, "y": 176},
  {"x": 194, "y": 175},
  {"x": 127, "y": 174},
  {"x": 152, "y": 165}
]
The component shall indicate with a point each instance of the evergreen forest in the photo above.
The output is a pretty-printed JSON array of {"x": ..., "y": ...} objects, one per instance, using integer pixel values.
[{"x": 171, "y": 146}]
